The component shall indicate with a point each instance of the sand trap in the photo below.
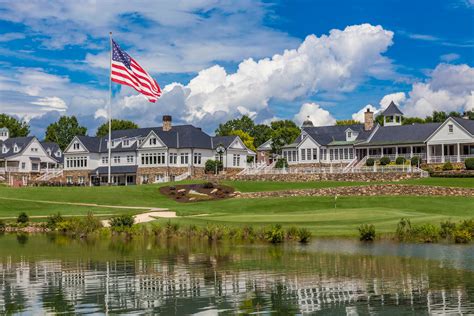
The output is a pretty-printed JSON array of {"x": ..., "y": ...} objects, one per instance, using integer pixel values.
[{"x": 147, "y": 217}]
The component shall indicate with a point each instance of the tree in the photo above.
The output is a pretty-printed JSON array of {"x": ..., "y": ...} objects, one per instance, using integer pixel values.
[
  {"x": 245, "y": 137},
  {"x": 412, "y": 120},
  {"x": 245, "y": 123},
  {"x": 283, "y": 132},
  {"x": 261, "y": 133},
  {"x": 16, "y": 127},
  {"x": 347, "y": 122},
  {"x": 63, "y": 131},
  {"x": 116, "y": 125}
]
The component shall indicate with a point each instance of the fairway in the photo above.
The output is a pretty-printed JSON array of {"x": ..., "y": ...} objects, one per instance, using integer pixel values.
[{"x": 319, "y": 214}]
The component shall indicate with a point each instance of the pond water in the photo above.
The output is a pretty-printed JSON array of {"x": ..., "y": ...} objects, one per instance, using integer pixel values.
[{"x": 43, "y": 274}]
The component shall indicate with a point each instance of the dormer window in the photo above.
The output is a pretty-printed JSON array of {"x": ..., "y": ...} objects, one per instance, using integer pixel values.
[
  {"x": 4, "y": 149},
  {"x": 450, "y": 128},
  {"x": 48, "y": 151},
  {"x": 152, "y": 141},
  {"x": 76, "y": 146},
  {"x": 15, "y": 148},
  {"x": 349, "y": 134},
  {"x": 58, "y": 153},
  {"x": 126, "y": 142}
]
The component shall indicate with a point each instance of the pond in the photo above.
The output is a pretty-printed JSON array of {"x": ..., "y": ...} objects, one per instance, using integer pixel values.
[{"x": 42, "y": 274}]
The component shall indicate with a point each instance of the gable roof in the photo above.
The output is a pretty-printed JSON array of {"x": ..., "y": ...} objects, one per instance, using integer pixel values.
[
  {"x": 402, "y": 134},
  {"x": 325, "y": 135},
  {"x": 54, "y": 149},
  {"x": 392, "y": 109},
  {"x": 225, "y": 141},
  {"x": 466, "y": 123},
  {"x": 21, "y": 142}
]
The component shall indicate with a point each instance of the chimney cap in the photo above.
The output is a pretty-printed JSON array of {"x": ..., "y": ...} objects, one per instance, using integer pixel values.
[{"x": 166, "y": 117}]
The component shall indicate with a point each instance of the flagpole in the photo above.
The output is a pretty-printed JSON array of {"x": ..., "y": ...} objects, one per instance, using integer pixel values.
[{"x": 110, "y": 114}]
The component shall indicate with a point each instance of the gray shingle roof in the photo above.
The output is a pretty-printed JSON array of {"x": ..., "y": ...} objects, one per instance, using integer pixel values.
[
  {"x": 53, "y": 147},
  {"x": 403, "y": 134},
  {"x": 115, "y": 170},
  {"x": 467, "y": 124},
  {"x": 392, "y": 109},
  {"x": 225, "y": 141},
  {"x": 21, "y": 142},
  {"x": 327, "y": 134}
]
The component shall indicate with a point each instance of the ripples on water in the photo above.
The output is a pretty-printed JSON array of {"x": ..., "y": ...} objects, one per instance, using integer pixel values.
[{"x": 56, "y": 275}]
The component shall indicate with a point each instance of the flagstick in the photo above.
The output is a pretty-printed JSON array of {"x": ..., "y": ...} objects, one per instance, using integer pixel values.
[{"x": 110, "y": 114}]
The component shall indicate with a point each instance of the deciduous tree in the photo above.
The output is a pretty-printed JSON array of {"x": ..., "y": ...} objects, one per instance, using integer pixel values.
[{"x": 63, "y": 131}]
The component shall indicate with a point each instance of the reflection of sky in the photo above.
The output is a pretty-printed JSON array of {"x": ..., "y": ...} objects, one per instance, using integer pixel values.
[{"x": 450, "y": 256}]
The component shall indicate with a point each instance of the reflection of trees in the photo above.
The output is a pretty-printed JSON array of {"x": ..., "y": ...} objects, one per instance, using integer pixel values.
[
  {"x": 55, "y": 301},
  {"x": 22, "y": 238},
  {"x": 14, "y": 300}
]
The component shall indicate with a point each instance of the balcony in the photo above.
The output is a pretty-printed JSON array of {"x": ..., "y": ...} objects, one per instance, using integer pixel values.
[{"x": 450, "y": 158}]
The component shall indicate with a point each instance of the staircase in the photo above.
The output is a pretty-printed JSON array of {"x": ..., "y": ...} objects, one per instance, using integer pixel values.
[
  {"x": 361, "y": 163},
  {"x": 183, "y": 176},
  {"x": 350, "y": 165},
  {"x": 47, "y": 176}
]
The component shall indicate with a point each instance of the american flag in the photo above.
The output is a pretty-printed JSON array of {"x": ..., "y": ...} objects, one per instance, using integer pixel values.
[{"x": 125, "y": 70}]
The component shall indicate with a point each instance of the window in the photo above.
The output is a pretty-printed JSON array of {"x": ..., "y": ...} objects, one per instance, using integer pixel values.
[
  {"x": 303, "y": 154},
  {"x": 308, "y": 154},
  {"x": 58, "y": 153},
  {"x": 4, "y": 149},
  {"x": 315, "y": 154},
  {"x": 15, "y": 148},
  {"x": 235, "y": 160},
  {"x": 23, "y": 165},
  {"x": 173, "y": 158},
  {"x": 116, "y": 159},
  {"x": 346, "y": 153},
  {"x": 105, "y": 160},
  {"x": 80, "y": 180},
  {"x": 76, "y": 146},
  {"x": 129, "y": 159},
  {"x": 295, "y": 155},
  {"x": 69, "y": 180},
  {"x": 153, "y": 159},
  {"x": 349, "y": 134},
  {"x": 351, "y": 153},
  {"x": 197, "y": 158},
  {"x": 184, "y": 158},
  {"x": 450, "y": 128},
  {"x": 34, "y": 149},
  {"x": 126, "y": 142},
  {"x": 153, "y": 141},
  {"x": 76, "y": 162}
]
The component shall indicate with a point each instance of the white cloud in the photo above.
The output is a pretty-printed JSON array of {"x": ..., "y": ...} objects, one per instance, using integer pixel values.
[
  {"x": 51, "y": 103},
  {"x": 319, "y": 116},
  {"x": 359, "y": 116},
  {"x": 449, "y": 57},
  {"x": 6, "y": 37},
  {"x": 398, "y": 98}
]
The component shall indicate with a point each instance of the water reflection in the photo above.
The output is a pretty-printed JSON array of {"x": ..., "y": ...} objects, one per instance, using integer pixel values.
[{"x": 55, "y": 274}]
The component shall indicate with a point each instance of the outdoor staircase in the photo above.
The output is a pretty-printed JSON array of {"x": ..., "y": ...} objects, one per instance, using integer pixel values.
[
  {"x": 350, "y": 166},
  {"x": 361, "y": 163},
  {"x": 183, "y": 176},
  {"x": 49, "y": 175}
]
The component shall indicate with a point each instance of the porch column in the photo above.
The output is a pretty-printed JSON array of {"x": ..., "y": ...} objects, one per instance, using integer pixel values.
[
  {"x": 396, "y": 151},
  {"x": 427, "y": 153},
  {"x": 411, "y": 151},
  {"x": 125, "y": 177},
  {"x": 459, "y": 152},
  {"x": 381, "y": 152},
  {"x": 442, "y": 152}
]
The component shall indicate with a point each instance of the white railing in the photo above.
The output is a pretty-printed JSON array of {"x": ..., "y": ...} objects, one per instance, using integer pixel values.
[
  {"x": 450, "y": 158},
  {"x": 183, "y": 176},
  {"x": 394, "y": 157},
  {"x": 364, "y": 169},
  {"x": 351, "y": 165},
  {"x": 4, "y": 170},
  {"x": 49, "y": 174}
]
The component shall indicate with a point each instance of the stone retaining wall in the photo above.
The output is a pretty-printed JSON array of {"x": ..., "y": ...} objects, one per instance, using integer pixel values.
[
  {"x": 307, "y": 177},
  {"x": 368, "y": 190}
]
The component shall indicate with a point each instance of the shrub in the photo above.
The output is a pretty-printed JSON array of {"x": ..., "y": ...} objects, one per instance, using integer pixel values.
[
  {"x": 53, "y": 221},
  {"x": 80, "y": 226},
  {"x": 448, "y": 166},
  {"x": 121, "y": 222},
  {"x": 208, "y": 185},
  {"x": 2, "y": 225},
  {"x": 281, "y": 163},
  {"x": 275, "y": 234},
  {"x": 462, "y": 236},
  {"x": 469, "y": 163},
  {"x": 213, "y": 232},
  {"x": 415, "y": 161},
  {"x": 303, "y": 235},
  {"x": 156, "y": 229},
  {"x": 427, "y": 233},
  {"x": 467, "y": 225},
  {"x": 292, "y": 232},
  {"x": 367, "y": 232},
  {"x": 400, "y": 160},
  {"x": 22, "y": 218},
  {"x": 384, "y": 161},
  {"x": 171, "y": 229},
  {"x": 248, "y": 232},
  {"x": 370, "y": 162},
  {"x": 404, "y": 229},
  {"x": 212, "y": 165},
  {"x": 447, "y": 229}
]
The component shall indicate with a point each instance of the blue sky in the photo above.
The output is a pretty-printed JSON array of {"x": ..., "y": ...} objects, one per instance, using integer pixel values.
[{"x": 217, "y": 60}]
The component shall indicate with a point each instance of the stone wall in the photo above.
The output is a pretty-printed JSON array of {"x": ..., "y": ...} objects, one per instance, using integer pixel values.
[
  {"x": 75, "y": 174},
  {"x": 152, "y": 172},
  {"x": 368, "y": 190},
  {"x": 307, "y": 177}
]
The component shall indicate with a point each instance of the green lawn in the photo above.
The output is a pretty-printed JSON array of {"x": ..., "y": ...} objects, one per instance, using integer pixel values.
[{"x": 316, "y": 213}]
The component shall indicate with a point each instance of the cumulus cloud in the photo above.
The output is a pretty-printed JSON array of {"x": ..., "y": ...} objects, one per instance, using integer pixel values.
[
  {"x": 398, "y": 98},
  {"x": 359, "y": 116},
  {"x": 51, "y": 103},
  {"x": 317, "y": 115}
]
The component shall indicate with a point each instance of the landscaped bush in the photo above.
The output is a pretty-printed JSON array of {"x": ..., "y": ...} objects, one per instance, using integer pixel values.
[
  {"x": 447, "y": 229},
  {"x": 427, "y": 233},
  {"x": 448, "y": 166},
  {"x": 212, "y": 165},
  {"x": 384, "y": 161},
  {"x": 303, "y": 235},
  {"x": 415, "y": 161},
  {"x": 292, "y": 232},
  {"x": 22, "y": 218},
  {"x": 370, "y": 162},
  {"x": 80, "y": 227},
  {"x": 469, "y": 163},
  {"x": 281, "y": 163},
  {"x": 367, "y": 232},
  {"x": 462, "y": 236},
  {"x": 467, "y": 225},
  {"x": 121, "y": 222},
  {"x": 275, "y": 234},
  {"x": 53, "y": 221},
  {"x": 400, "y": 160},
  {"x": 403, "y": 232}
]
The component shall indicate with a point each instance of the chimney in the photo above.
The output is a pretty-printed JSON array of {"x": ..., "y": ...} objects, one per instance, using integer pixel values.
[
  {"x": 166, "y": 123},
  {"x": 368, "y": 120}
]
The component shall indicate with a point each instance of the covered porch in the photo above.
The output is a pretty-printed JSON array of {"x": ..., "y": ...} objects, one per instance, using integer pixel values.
[
  {"x": 454, "y": 152},
  {"x": 393, "y": 152},
  {"x": 120, "y": 175}
]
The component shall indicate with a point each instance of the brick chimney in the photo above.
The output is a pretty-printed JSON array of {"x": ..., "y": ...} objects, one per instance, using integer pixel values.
[
  {"x": 368, "y": 120},
  {"x": 166, "y": 123}
]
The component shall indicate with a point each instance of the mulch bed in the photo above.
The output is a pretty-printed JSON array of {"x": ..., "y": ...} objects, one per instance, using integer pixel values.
[{"x": 181, "y": 193}]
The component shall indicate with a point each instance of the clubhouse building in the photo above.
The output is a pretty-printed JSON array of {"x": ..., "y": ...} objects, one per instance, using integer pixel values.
[
  {"x": 149, "y": 155},
  {"x": 452, "y": 140}
]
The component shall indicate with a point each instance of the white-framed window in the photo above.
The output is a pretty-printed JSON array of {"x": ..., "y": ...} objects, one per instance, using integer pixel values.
[
  {"x": 153, "y": 158},
  {"x": 450, "y": 128},
  {"x": 105, "y": 160},
  {"x": 69, "y": 179},
  {"x": 75, "y": 146},
  {"x": 4, "y": 149},
  {"x": 80, "y": 179},
  {"x": 129, "y": 159},
  {"x": 58, "y": 153},
  {"x": 15, "y": 148},
  {"x": 295, "y": 155},
  {"x": 34, "y": 149},
  {"x": 349, "y": 134},
  {"x": 351, "y": 153},
  {"x": 173, "y": 159},
  {"x": 303, "y": 154},
  {"x": 197, "y": 158},
  {"x": 235, "y": 160},
  {"x": 346, "y": 153},
  {"x": 126, "y": 142},
  {"x": 153, "y": 141},
  {"x": 184, "y": 158},
  {"x": 116, "y": 159},
  {"x": 308, "y": 154},
  {"x": 76, "y": 162},
  {"x": 23, "y": 165}
]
